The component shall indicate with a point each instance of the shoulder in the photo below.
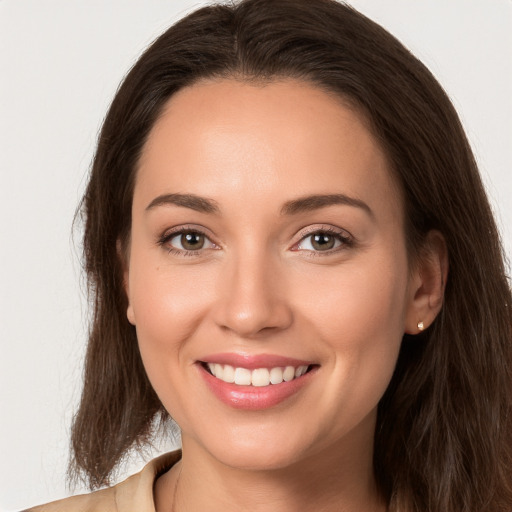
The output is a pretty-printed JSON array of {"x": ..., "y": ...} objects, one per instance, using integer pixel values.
[
  {"x": 103, "y": 500},
  {"x": 133, "y": 494}
]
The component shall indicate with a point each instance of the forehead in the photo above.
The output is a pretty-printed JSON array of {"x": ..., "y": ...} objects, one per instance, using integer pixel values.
[{"x": 223, "y": 138}]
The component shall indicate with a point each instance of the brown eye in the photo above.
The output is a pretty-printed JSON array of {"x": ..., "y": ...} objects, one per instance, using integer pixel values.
[
  {"x": 322, "y": 241},
  {"x": 188, "y": 241},
  {"x": 192, "y": 241}
]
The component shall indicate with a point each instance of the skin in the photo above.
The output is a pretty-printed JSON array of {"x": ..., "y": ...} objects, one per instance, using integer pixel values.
[{"x": 259, "y": 286}]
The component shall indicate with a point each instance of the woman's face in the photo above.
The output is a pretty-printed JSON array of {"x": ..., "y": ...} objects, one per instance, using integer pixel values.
[{"x": 267, "y": 240}]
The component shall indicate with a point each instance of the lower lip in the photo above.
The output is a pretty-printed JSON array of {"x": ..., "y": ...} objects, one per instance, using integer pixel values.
[{"x": 254, "y": 397}]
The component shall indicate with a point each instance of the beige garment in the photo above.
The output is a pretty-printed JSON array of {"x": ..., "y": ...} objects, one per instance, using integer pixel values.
[{"x": 135, "y": 494}]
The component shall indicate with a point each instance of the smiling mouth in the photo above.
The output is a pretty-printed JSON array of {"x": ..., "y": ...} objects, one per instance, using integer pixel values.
[{"x": 259, "y": 377}]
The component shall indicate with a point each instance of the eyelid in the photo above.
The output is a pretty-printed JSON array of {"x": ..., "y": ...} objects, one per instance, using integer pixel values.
[
  {"x": 346, "y": 238},
  {"x": 170, "y": 233}
]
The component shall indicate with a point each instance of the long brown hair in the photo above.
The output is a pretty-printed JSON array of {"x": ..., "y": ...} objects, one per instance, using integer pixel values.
[{"x": 443, "y": 440}]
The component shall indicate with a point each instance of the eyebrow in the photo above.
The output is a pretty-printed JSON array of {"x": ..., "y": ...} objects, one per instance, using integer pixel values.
[
  {"x": 300, "y": 205},
  {"x": 317, "y": 201},
  {"x": 197, "y": 203}
]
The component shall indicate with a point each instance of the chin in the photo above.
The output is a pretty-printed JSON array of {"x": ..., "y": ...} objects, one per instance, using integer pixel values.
[
  {"x": 256, "y": 458},
  {"x": 259, "y": 448}
]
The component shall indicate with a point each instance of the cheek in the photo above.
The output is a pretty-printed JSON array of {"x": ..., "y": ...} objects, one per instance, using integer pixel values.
[
  {"x": 167, "y": 303},
  {"x": 357, "y": 314},
  {"x": 352, "y": 300},
  {"x": 167, "y": 307}
]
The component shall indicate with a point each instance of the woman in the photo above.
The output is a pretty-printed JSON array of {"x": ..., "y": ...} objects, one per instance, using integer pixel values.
[{"x": 292, "y": 255}]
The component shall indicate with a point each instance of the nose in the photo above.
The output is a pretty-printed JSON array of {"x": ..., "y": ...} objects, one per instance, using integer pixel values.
[{"x": 252, "y": 299}]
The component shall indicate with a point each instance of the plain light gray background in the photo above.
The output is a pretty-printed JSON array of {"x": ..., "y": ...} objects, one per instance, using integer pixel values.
[{"x": 60, "y": 64}]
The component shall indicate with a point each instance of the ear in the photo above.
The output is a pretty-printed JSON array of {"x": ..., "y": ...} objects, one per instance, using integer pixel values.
[
  {"x": 427, "y": 284},
  {"x": 125, "y": 265}
]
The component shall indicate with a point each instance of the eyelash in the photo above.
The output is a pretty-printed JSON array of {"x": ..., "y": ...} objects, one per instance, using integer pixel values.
[
  {"x": 342, "y": 236},
  {"x": 345, "y": 239},
  {"x": 164, "y": 240}
]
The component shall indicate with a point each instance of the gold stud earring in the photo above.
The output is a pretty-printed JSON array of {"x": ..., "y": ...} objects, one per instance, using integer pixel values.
[{"x": 421, "y": 326}]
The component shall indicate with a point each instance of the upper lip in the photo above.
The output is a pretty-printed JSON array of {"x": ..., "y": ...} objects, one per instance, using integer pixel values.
[{"x": 254, "y": 361}]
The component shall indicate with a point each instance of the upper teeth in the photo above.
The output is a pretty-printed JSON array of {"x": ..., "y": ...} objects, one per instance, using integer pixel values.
[{"x": 258, "y": 377}]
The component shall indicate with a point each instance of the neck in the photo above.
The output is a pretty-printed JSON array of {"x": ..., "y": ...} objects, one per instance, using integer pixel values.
[{"x": 334, "y": 480}]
